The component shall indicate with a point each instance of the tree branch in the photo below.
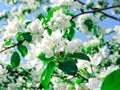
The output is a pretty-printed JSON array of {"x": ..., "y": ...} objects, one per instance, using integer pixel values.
[
  {"x": 83, "y": 13},
  {"x": 19, "y": 43},
  {"x": 79, "y": 75},
  {"x": 98, "y": 10}
]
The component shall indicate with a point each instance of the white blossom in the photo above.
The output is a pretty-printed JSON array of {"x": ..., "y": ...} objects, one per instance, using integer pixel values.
[
  {"x": 117, "y": 29},
  {"x": 107, "y": 71},
  {"x": 94, "y": 84},
  {"x": 92, "y": 42},
  {"x": 74, "y": 46},
  {"x": 96, "y": 59},
  {"x": 82, "y": 20},
  {"x": 59, "y": 21}
]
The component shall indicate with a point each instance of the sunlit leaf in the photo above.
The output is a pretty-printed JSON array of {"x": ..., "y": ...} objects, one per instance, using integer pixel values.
[
  {"x": 47, "y": 73},
  {"x": 112, "y": 81}
]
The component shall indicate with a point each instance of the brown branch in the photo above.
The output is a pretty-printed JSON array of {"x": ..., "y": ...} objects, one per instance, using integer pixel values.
[
  {"x": 110, "y": 16},
  {"x": 77, "y": 75},
  {"x": 111, "y": 7},
  {"x": 82, "y": 14},
  {"x": 19, "y": 43},
  {"x": 81, "y": 76},
  {"x": 98, "y": 10}
]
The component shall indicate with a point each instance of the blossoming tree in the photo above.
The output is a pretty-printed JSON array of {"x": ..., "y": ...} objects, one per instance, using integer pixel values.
[{"x": 38, "y": 50}]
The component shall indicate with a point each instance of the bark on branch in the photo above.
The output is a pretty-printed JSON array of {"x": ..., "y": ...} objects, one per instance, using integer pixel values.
[
  {"x": 19, "y": 43},
  {"x": 100, "y": 10}
]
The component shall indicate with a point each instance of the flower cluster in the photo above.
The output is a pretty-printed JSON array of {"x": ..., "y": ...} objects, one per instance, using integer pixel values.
[
  {"x": 38, "y": 50},
  {"x": 59, "y": 21}
]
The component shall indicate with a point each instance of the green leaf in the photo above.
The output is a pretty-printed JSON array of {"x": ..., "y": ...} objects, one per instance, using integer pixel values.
[
  {"x": 27, "y": 36},
  {"x": 95, "y": 28},
  {"x": 90, "y": 5},
  {"x": 47, "y": 73},
  {"x": 68, "y": 13},
  {"x": 69, "y": 67},
  {"x": 15, "y": 59},
  {"x": 50, "y": 15},
  {"x": 102, "y": 17},
  {"x": 118, "y": 61},
  {"x": 112, "y": 81},
  {"x": 79, "y": 81},
  {"x": 8, "y": 42},
  {"x": 41, "y": 16},
  {"x": 20, "y": 36},
  {"x": 27, "y": 23},
  {"x": 49, "y": 31},
  {"x": 79, "y": 55},
  {"x": 23, "y": 50},
  {"x": 26, "y": 11},
  {"x": 22, "y": 17},
  {"x": 70, "y": 32},
  {"x": 42, "y": 57}
]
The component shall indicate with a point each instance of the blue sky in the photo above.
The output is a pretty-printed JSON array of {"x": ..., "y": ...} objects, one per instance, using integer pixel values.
[{"x": 108, "y": 23}]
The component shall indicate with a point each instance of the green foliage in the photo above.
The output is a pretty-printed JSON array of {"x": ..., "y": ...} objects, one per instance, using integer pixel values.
[
  {"x": 79, "y": 55},
  {"x": 118, "y": 61},
  {"x": 23, "y": 50},
  {"x": 103, "y": 17},
  {"x": 15, "y": 59},
  {"x": 27, "y": 23},
  {"x": 26, "y": 11},
  {"x": 89, "y": 23},
  {"x": 41, "y": 56},
  {"x": 4, "y": 17},
  {"x": 70, "y": 32},
  {"x": 8, "y": 42},
  {"x": 49, "y": 31},
  {"x": 69, "y": 67},
  {"x": 111, "y": 81},
  {"x": 79, "y": 80},
  {"x": 27, "y": 36},
  {"x": 41, "y": 16},
  {"x": 49, "y": 15},
  {"x": 20, "y": 36},
  {"x": 90, "y": 5},
  {"x": 46, "y": 75}
]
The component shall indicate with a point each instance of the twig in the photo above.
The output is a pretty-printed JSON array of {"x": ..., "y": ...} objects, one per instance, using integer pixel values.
[
  {"x": 98, "y": 10},
  {"x": 11, "y": 46},
  {"x": 79, "y": 75}
]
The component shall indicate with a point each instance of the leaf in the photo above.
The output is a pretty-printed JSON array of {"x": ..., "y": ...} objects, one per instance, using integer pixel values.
[
  {"x": 70, "y": 32},
  {"x": 8, "y": 42},
  {"x": 41, "y": 16},
  {"x": 95, "y": 28},
  {"x": 20, "y": 36},
  {"x": 49, "y": 32},
  {"x": 15, "y": 59},
  {"x": 50, "y": 14},
  {"x": 26, "y": 11},
  {"x": 118, "y": 61},
  {"x": 27, "y": 36},
  {"x": 69, "y": 67},
  {"x": 23, "y": 50},
  {"x": 42, "y": 57},
  {"x": 112, "y": 81},
  {"x": 47, "y": 73},
  {"x": 27, "y": 23},
  {"x": 79, "y": 81},
  {"x": 79, "y": 55}
]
